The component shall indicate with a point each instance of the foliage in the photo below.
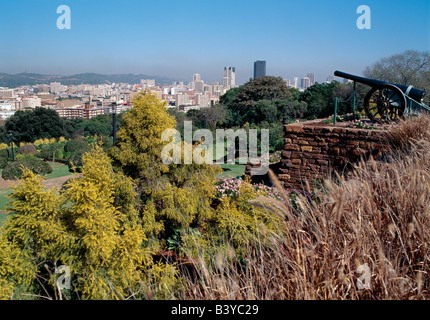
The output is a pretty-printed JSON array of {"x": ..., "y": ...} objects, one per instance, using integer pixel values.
[
  {"x": 76, "y": 144},
  {"x": 3, "y": 162},
  {"x": 14, "y": 170},
  {"x": 139, "y": 143},
  {"x": 410, "y": 67},
  {"x": 28, "y": 125},
  {"x": 263, "y": 99},
  {"x": 245, "y": 214},
  {"x": 320, "y": 99},
  {"x": 83, "y": 229},
  {"x": 27, "y": 149},
  {"x": 172, "y": 196}
]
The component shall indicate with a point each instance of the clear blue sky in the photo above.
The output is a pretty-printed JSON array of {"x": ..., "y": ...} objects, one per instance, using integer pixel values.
[{"x": 177, "y": 38}]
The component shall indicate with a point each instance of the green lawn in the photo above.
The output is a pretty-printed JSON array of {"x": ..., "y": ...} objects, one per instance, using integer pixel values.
[
  {"x": 59, "y": 170},
  {"x": 231, "y": 170}
]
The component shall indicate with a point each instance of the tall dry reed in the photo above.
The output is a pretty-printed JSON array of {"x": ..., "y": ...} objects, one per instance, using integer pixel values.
[{"x": 366, "y": 236}]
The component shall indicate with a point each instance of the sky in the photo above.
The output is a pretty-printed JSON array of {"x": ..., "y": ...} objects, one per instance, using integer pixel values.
[{"x": 178, "y": 38}]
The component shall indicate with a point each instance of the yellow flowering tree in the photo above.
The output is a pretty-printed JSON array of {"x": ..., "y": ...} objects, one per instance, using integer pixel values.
[
  {"x": 173, "y": 197},
  {"x": 81, "y": 228}
]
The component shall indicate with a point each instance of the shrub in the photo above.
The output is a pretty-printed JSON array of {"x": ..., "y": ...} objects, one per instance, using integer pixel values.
[
  {"x": 75, "y": 159},
  {"x": 78, "y": 143},
  {"x": 3, "y": 162},
  {"x": 13, "y": 170},
  {"x": 59, "y": 154},
  {"x": 27, "y": 149},
  {"x": 45, "y": 154},
  {"x": 4, "y": 153}
]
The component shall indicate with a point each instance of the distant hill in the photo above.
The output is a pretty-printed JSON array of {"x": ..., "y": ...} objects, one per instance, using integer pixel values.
[{"x": 21, "y": 79}]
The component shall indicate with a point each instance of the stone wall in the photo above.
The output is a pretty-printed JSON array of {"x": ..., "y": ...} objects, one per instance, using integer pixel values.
[{"x": 313, "y": 150}]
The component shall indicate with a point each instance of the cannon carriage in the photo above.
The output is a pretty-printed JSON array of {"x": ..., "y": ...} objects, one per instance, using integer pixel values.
[{"x": 389, "y": 101}]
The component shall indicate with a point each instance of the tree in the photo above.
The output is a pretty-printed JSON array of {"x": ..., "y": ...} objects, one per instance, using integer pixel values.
[
  {"x": 212, "y": 116},
  {"x": 139, "y": 143},
  {"x": 255, "y": 101},
  {"x": 82, "y": 228},
  {"x": 35, "y": 124},
  {"x": 173, "y": 196},
  {"x": 320, "y": 99},
  {"x": 408, "y": 68}
]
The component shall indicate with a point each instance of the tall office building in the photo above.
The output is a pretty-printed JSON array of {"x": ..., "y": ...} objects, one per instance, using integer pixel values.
[
  {"x": 311, "y": 77},
  {"x": 259, "y": 69},
  {"x": 305, "y": 83},
  {"x": 296, "y": 82},
  {"x": 229, "y": 80}
]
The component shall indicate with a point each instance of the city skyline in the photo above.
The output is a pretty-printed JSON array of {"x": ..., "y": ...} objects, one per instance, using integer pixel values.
[{"x": 177, "y": 40}]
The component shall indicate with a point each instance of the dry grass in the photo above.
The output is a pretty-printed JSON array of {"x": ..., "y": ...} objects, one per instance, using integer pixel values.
[{"x": 378, "y": 219}]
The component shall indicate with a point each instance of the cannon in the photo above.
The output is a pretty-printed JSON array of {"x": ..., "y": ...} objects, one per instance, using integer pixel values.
[{"x": 389, "y": 101}]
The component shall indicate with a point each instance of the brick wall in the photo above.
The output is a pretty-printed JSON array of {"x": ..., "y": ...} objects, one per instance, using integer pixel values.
[{"x": 312, "y": 151}]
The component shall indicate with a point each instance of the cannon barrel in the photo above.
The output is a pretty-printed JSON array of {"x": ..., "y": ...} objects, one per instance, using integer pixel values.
[{"x": 409, "y": 91}]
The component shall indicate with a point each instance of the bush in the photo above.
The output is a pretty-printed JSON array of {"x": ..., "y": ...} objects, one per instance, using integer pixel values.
[
  {"x": 46, "y": 154},
  {"x": 75, "y": 160},
  {"x": 4, "y": 153},
  {"x": 27, "y": 149},
  {"x": 79, "y": 143},
  {"x": 13, "y": 170},
  {"x": 3, "y": 162}
]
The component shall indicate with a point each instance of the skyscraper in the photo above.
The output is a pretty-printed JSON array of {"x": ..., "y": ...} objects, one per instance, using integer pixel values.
[
  {"x": 229, "y": 80},
  {"x": 259, "y": 69},
  {"x": 311, "y": 77},
  {"x": 305, "y": 83}
]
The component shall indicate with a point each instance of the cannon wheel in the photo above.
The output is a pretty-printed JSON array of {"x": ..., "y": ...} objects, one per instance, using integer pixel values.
[{"x": 385, "y": 103}]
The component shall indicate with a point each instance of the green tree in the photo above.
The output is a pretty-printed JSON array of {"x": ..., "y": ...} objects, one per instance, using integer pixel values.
[
  {"x": 35, "y": 124},
  {"x": 320, "y": 99},
  {"x": 410, "y": 67}
]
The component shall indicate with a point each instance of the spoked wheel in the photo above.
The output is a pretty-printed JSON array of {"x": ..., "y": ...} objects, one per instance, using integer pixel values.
[{"x": 385, "y": 104}]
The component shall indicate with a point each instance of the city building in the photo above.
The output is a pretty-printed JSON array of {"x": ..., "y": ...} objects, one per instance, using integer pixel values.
[
  {"x": 31, "y": 102},
  {"x": 296, "y": 82},
  {"x": 229, "y": 80},
  {"x": 259, "y": 69},
  {"x": 311, "y": 77},
  {"x": 305, "y": 83},
  {"x": 56, "y": 87},
  {"x": 6, "y": 93}
]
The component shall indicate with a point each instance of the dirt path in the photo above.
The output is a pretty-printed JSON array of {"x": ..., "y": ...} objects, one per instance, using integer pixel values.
[{"x": 54, "y": 183}]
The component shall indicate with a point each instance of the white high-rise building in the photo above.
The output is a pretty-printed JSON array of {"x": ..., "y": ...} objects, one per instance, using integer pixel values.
[
  {"x": 305, "y": 83},
  {"x": 229, "y": 80},
  {"x": 202, "y": 99},
  {"x": 57, "y": 87},
  {"x": 199, "y": 85},
  {"x": 196, "y": 77},
  {"x": 182, "y": 99},
  {"x": 296, "y": 82},
  {"x": 6, "y": 93},
  {"x": 311, "y": 77}
]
